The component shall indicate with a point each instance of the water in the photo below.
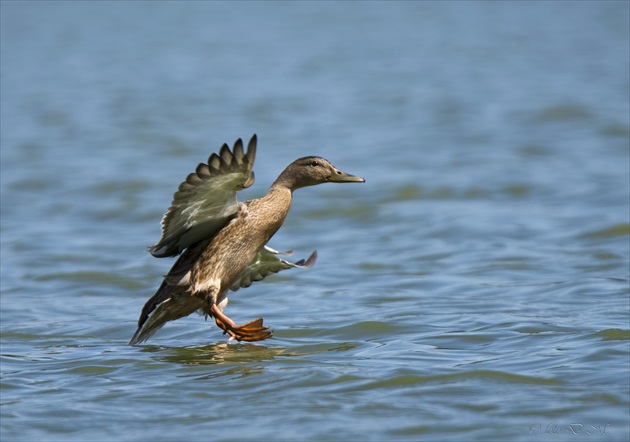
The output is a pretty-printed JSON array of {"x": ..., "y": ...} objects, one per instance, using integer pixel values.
[{"x": 476, "y": 287}]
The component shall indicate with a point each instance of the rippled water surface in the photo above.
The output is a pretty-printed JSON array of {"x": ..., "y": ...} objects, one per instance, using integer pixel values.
[{"x": 476, "y": 287}]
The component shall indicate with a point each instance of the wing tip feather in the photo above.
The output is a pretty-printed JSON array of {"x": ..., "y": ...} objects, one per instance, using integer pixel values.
[{"x": 309, "y": 262}]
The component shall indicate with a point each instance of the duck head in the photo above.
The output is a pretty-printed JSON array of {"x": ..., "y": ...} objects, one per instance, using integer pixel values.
[{"x": 309, "y": 171}]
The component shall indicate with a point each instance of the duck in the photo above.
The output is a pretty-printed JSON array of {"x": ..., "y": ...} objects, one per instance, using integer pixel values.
[{"x": 221, "y": 243}]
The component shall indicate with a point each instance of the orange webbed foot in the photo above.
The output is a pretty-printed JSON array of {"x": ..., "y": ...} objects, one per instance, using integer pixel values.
[{"x": 251, "y": 331}]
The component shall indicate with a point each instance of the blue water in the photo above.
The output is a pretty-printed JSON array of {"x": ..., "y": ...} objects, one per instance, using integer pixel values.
[{"x": 476, "y": 287}]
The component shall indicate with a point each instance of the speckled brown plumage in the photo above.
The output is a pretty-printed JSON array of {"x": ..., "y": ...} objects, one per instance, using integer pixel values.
[{"x": 223, "y": 241}]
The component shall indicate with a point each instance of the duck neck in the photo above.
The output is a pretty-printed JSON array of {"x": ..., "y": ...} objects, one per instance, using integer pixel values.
[
  {"x": 284, "y": 181},
  {"x": 276, "y": 203},
  {"x": 279, "y": 195}
]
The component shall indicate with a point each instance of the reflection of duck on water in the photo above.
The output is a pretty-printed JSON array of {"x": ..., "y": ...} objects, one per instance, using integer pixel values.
[{"x": 223, "y": 241}]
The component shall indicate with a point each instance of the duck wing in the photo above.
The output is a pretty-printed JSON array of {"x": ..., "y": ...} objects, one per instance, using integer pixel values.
[
  {"x": 206, "y": 200},
  {"x": 173, "y": 299},
  {"x": 267, "y": 262}
]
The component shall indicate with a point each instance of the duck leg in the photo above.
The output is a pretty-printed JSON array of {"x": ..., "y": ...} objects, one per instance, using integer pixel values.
[{"x": 251, "y": 331}]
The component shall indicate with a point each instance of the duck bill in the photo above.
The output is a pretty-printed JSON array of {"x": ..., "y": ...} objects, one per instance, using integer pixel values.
[{"x": 343, "y": 177}]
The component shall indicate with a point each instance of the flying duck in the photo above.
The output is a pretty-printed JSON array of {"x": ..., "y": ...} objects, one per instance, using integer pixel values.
[{"x": 221, "y": 242}]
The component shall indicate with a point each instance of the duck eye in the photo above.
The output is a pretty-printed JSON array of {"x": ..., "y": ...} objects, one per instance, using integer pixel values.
[{"x": 315, "y": 163}]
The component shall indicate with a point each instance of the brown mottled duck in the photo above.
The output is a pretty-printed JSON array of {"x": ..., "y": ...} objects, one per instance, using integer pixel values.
[{"x": 223, "y": 242}]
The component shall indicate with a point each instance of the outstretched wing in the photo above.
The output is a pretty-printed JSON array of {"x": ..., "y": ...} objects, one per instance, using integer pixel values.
[
  {"x": 267, "y": 262},
  {"x": 206, "y": 201}
]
